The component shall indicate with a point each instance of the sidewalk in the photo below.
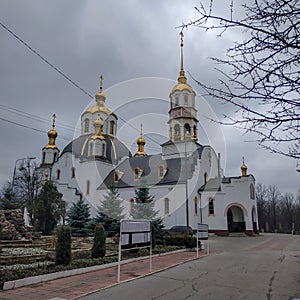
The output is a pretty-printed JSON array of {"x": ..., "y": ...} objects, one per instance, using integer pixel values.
[{"x": 77, "y": 285}]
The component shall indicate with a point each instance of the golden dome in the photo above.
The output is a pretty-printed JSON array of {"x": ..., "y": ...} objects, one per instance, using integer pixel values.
[
  {"x": 182, "y": 86},
  {"x": 52, "y": 135},
  {"x": 141, "y": 143},
  {"x": 244, "y": 168}
]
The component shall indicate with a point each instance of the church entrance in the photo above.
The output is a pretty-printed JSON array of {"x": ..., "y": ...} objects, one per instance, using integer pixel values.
[{"x": 235, "y": 219}]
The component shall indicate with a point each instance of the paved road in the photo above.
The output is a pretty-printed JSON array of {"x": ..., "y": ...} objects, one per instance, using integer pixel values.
[{"x": 265, "y": 267}]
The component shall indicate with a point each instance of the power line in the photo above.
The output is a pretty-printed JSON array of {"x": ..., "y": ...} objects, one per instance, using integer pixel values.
[
  {"x": 62, "y": 74},
  {"x": 45, "y": 60},
  {"x": 28, "y": 127}
]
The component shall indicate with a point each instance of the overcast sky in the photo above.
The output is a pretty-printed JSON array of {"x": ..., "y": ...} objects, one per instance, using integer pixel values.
[{"x": 125, "y": 41}]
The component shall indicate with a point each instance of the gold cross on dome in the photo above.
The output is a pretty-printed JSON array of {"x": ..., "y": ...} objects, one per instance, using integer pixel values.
[
  {"x": 181, "y": 38},
  {"x": 53, "y": 122},
  {"x": 101, "y": 82}
]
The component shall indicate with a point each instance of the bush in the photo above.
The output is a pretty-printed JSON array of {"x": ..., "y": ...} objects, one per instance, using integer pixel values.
[
  {"x": 63, "y": 245},
  {"x": 181, "y": 240},
  {"x": 99, "y": 247}
]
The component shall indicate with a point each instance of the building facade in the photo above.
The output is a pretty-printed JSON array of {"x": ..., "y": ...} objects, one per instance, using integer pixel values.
[{"x": 186, "y": 178}]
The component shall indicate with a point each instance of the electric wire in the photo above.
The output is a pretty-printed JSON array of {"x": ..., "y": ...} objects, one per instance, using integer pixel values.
[{"x": 63, "y": 75}]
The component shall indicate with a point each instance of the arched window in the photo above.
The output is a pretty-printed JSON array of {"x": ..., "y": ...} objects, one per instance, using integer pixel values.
[
  {"x": 205, "y": 178},
  {"x": 91, "y": 148},
  {"x": 167, "y": 206},
  {"x": 161, "y": 171},
  {"x": 177, "y": 131},
  {"x": 55, "y": 157},
  {"x": 131, "y": 201},
  {"x": 176, "y": 101},
  {"x": 73, "y": 172},
  {"x": 43, "y": 159},
  {"x": 211, "y": 206},
  {"x": 196, "y": 206},
  {"x": 112, "y": 127},
  {"x": 86, "y": 125},
  {"x": 116, "y": 176},
  {"x": 58, "y": 174},
  {"x": 195, "y": 131},
  {"x": 88, "y": 186},
  {"x": 187, "y": 128},
  {"x": 186, "y": 99},
  {"x": 104, "y": 149},
  {"x": 252, "y": 194}
]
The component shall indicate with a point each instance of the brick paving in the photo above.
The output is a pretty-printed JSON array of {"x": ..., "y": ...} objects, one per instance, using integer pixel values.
[{"x": 77, "y": 285}]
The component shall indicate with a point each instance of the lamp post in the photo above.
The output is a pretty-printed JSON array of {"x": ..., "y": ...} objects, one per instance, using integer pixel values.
[{"x": 186, "y": 186}]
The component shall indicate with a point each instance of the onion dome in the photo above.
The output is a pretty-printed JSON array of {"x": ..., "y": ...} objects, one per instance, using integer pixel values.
[
  {"x": 100, "y": 102},
  {"x": 244, "y": 168},
  {"x": 141, "y": 144},
  {"x": 52, "y": 135}
]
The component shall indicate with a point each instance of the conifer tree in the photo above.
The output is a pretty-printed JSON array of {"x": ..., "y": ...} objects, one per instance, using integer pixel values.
[
  {"x": 143, "y": 208},
  {"x": 47, "y": 208},
  {"x": 78, "y": 218},
  {"x": 110, "y": 210}
]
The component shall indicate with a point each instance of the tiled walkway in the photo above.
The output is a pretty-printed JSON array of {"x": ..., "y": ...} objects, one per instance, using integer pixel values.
[{"x": 74, "y": 286}]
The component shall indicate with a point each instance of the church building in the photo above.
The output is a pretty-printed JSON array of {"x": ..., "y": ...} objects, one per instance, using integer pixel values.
[{"x": 186, "y": 178}]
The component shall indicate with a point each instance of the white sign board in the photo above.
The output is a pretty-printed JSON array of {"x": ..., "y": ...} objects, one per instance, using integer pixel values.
[{"x": 134, "y": 234}]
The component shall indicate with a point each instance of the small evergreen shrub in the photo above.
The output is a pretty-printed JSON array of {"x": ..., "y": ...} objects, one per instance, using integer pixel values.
[
  {"x": 181, "y": 240},
  {"x": 99, "y": 247},
  {"x": 63, "y": 245}
]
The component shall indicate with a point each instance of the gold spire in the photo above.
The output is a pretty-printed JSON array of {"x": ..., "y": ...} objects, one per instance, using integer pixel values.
[
  {"x": 244, "y": 168},
  {"x": 52, "y": 134},
  {"x": 181, "y": 78},
  {"x": 100, "y": 97},
  {"x": 141, "y": 143}
]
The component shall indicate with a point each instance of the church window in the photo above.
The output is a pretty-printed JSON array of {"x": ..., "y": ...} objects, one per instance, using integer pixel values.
[
  {"x": 112, "y": 127},
  {"x": 98, "y": 148},
  {"x": 58, "y": 174},
  {"x": 88, "y": 186},
  {"x": 43, "y": 159},
  {"x": 252, "y": 195},
  {"x": 196, "y": 206},
  {"x": 86, "y": 125},
  {"x": 167, "y": 206},
  {"x": 211, "y": 206},
  {"x": 176, "y": 101},
  {"x": 91, "y": 148},
  {"x": 136, "y": 173},
  {"x": 116, "y": 176},
  {"x": 205, "y": 178},
  {"x": 187, "y": 128},
  {"x": 186, "y": 99},
  {"x": 177, "y": 131},
  {"x": 55, "y": 157},
  {"x": 103, "y": 149},
  {"x": 161, "y": 171},
  {"x": 73, "y": 172},
  {"x": 195, "y": 131},
  {"x": 131, "y": 201}
]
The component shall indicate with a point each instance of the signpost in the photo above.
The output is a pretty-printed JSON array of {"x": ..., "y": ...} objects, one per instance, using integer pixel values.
[
  {"x": 202, "y": 234},
  {"x": 134, "y": 234}
]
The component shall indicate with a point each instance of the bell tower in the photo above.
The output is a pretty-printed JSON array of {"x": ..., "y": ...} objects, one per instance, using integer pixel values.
[{"x": 182, "y": 114}]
